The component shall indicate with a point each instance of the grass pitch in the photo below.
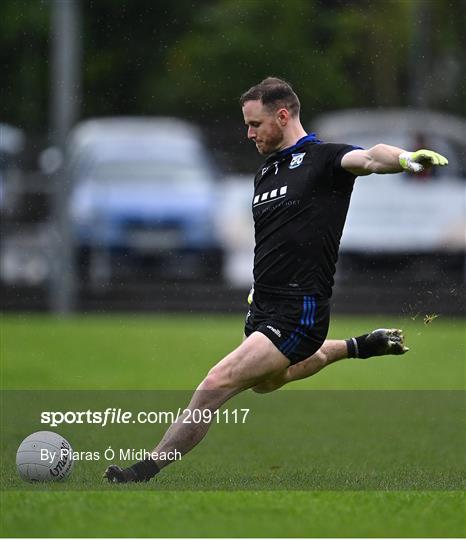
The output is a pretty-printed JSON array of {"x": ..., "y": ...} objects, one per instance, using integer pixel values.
[{"x": 265, "y": 484}]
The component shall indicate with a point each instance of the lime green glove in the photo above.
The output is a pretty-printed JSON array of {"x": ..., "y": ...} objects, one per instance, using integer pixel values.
[
  {"x": 418, "y": 161},
  {"x": 250, "y": 295}
]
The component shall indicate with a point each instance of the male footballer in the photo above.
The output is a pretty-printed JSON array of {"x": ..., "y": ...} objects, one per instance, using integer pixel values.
[{"x": 301, "y": 197}]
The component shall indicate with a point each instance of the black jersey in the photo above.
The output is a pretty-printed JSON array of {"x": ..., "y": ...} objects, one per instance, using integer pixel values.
[{"x": 301, "y": 198}]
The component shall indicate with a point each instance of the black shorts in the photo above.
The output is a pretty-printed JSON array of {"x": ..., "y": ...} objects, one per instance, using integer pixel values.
[{"x": 297, "y": 326}]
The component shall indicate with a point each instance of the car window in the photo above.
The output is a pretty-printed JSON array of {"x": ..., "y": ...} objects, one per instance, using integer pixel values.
[{"x": 152, "y": 172}]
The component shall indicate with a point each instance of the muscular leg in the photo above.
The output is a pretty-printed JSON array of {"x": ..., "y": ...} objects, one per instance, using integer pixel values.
[
  {"x": 256, "y": 364},
  {"x": 254, "y": 361},
  {"x": 378, "y": 342},
  {"x": 331, "y": 351}
]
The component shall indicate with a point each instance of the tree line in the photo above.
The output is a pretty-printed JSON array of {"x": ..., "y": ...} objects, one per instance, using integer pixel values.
[{"x": 194, "y": 58}]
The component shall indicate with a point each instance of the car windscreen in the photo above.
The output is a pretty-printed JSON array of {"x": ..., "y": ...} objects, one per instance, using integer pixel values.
[{"x": 175, "y": 175}]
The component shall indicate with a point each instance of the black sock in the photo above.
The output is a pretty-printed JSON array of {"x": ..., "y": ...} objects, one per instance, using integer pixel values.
[
  {"x": 358, "y": 347},
  {"x": 145, "y": 470}
]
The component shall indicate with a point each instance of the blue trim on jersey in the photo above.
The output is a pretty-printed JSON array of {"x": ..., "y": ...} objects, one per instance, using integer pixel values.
[
  {"x": 307, "y": 138},
  {"x": 307, "y": 321}
]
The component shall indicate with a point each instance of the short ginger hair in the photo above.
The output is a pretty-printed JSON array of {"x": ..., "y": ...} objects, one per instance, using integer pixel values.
[{"x": 274, "y": 93}]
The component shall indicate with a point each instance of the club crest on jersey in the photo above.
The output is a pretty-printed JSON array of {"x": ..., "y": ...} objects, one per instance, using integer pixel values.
[{"x": 296, "y": 160}]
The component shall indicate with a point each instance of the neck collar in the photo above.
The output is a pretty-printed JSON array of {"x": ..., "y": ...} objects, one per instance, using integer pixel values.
[{"x": 311, "y": 137}]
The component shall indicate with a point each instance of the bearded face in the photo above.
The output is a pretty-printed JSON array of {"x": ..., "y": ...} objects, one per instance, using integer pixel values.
[{"x": 264, "y": 128}]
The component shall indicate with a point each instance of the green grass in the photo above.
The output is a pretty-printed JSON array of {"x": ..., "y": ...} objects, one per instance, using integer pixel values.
[
  {"x": 174, "y": 352},
  {"x": 235, "y": 514},
  {"x": 295, "y": 469}
]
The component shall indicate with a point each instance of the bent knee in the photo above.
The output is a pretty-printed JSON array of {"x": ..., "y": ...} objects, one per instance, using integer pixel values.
[
  {"x": 213, "y": 391},
  {"x": 262, "y": 389},
  {"x": 321, "y": 359},
  {"x": 267, "y": 386},
  {"x": 215, "y": 380}
]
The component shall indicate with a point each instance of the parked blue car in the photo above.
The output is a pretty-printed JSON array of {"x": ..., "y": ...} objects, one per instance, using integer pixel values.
[{"x": 143, "y": 197}]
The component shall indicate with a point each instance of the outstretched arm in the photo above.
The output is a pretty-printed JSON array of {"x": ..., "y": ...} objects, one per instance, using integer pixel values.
[{"x": 383, "y": 159}]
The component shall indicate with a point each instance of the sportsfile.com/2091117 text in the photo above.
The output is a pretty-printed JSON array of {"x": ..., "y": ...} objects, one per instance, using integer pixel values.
[{"x": 113, "y": 415}]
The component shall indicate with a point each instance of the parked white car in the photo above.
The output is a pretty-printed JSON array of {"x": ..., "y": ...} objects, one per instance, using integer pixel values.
[{"x": 402, "y": 212}]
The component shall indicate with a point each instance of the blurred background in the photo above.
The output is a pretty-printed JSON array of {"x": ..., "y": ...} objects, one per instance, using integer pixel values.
[{"x": 126, "y": 175}]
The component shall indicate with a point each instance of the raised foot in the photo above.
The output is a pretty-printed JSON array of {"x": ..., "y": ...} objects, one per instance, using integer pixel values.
[{"x": 387, "y": 341}]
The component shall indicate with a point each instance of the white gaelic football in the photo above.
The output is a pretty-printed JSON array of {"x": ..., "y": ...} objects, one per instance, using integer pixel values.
[{"x": 44, "y": 456}]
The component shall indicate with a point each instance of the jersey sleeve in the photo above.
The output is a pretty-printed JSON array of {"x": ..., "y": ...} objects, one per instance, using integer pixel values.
[
  {"x": 336, "y": 153},
  {"x": 341, "y": 178}
]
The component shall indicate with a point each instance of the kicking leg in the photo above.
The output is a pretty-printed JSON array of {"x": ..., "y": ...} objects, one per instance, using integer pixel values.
[
  {"x": 255, "y": 360},
  {"x": 331, "y": 351},
  {"x": 379, "y": 342}
]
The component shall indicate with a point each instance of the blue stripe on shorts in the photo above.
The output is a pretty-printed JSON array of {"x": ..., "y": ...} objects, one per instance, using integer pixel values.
[{"x": 307, "y": 321}]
